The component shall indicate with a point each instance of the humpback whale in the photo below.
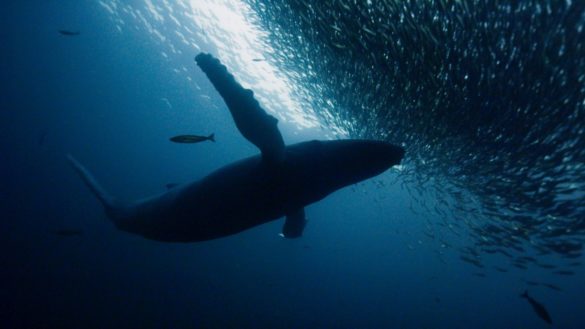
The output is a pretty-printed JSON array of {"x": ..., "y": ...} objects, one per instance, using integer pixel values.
[{"x": 279, "y": 182}]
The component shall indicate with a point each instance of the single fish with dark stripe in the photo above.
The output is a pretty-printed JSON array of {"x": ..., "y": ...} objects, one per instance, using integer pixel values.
[
  {"x": 69, "y": 33},
  {"x": 190, "y": 139}
]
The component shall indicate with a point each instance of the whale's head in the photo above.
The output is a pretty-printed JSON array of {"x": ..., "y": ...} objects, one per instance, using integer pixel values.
[
  {"x": 331, "y": 165},
  {"x": 347, "y": 162}
]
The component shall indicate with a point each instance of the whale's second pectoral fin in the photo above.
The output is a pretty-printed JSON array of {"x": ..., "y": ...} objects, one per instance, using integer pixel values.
[
  {"x": 252, "y": 121},
  {"x": 294, "y": 224}
]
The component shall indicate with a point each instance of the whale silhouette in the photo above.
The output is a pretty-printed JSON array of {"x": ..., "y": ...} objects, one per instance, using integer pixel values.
[{"x": 278, "y": 182}]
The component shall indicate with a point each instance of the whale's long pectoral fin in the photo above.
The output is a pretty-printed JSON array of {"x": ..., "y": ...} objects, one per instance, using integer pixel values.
[
  {"x": 294, "y": 224},
  {"x": 254, "y": 123}
]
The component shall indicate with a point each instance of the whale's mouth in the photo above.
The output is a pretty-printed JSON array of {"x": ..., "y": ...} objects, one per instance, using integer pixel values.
[
  {"x": 382, "y": 155},
  {"x": 392, "y": 154}
]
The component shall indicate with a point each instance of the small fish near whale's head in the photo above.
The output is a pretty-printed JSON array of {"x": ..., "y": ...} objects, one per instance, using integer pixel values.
[{"x": 345, "y": 162}]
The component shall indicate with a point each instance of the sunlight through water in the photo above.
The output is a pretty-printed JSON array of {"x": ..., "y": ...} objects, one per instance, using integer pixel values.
[{"x": 225, "y": 28}]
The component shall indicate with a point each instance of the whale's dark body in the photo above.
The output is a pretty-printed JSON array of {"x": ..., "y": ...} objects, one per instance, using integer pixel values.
[{"x": 279, "y": 182}]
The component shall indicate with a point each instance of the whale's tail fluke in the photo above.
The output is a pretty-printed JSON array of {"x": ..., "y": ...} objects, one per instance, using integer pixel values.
[{"x": 111, "y": 205}]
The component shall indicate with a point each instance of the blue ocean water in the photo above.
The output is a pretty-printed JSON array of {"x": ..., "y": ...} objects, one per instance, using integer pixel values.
[{"x": 372, "y": 256}]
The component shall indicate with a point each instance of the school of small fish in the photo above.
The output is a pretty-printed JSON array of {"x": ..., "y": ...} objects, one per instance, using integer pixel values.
[{"x": 488, "y": 97}]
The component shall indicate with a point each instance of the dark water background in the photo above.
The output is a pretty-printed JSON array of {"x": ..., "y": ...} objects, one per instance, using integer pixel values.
[{"x": 373, "y": 256}]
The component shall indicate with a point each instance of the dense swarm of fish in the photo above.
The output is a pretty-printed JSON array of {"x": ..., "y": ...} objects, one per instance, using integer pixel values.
[{"x": 487, "y": 96}]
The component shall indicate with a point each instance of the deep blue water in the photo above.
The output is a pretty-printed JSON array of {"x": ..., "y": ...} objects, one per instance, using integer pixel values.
[{"x": 371, "y": 257}]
